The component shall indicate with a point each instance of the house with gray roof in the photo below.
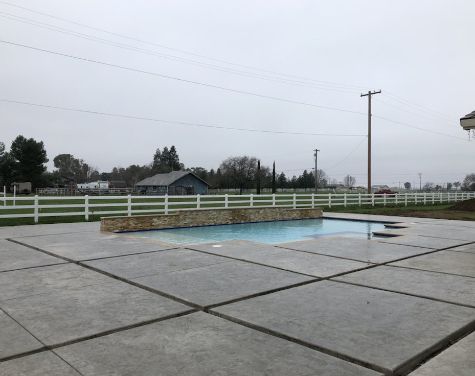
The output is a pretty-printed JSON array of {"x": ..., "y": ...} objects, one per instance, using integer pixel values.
[
  {"x": 468, "y": 121},
  {"x": 173, "y": 183}
]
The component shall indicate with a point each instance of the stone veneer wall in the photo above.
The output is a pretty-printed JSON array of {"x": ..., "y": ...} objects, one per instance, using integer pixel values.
[{"x": 206, "y": 217}]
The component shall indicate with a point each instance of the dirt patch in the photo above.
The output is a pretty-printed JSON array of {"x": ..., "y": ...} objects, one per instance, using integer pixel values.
[{"x": 467, "y": 205}]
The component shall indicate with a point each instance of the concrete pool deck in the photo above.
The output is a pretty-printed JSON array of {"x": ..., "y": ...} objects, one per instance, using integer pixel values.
[{"x": 75, "y": 301}]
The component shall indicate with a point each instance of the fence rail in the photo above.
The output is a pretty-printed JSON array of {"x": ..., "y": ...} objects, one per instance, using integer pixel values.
[{"x": 86, "y": 206}]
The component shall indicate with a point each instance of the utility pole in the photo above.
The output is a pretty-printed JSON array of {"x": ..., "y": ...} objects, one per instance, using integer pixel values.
[
  {"x": 369, "y": 94},
  {"x": 316, "y": 170},
  {"x": 420, "y": 181}
]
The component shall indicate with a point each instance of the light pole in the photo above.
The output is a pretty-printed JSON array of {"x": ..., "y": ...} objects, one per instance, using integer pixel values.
[{"x": 316, "y": 170}]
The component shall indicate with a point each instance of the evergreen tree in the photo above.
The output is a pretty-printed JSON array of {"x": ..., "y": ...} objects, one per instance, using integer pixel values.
[
  {"x": 7, "y": 166},
  {"x": 258, "y": 178},
  {"x": 282, "y": 181},
  {"x": 273, "y": 178},
  {"x": 29, "y": 158},
  {"x": 166, "y": 161}
]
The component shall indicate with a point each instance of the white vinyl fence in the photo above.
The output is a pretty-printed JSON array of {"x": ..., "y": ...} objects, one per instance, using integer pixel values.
[{"x": 37, "y": 207}]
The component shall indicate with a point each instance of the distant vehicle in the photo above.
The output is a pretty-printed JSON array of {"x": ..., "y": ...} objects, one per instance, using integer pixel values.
[{"x": 385, "y": 191}]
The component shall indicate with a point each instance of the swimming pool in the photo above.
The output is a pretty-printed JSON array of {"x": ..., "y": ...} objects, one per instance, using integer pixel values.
[{"x": 265, "y": 232}]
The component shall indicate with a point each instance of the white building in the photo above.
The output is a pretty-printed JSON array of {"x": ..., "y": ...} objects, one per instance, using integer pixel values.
[{"x": 93, "y": 185}]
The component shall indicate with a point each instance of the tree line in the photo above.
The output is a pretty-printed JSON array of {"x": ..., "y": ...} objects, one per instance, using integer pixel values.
[{"x": 26, "y": 161}]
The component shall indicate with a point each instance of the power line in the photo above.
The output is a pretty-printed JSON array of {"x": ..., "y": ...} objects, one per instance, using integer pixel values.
[
  {"x": 431, "y": 117},
  {"x": 286, "y": 81},
  {"x": 184, "y": 80},
  {"x": 224, "y": 88},
  {"x": 341, "y": 85},
  {"x": 348, "y": 155},
  {"x": 124, "y": 36},
  {"x": 198, "y": 83},
  {"x": 176, "y": 122},
  {"x": 418, "y": 128},
  {"x": 416, "y": 105}
]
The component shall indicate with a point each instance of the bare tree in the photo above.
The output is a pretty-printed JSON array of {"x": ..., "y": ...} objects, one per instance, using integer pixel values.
[{"x": 241, "y": 171}]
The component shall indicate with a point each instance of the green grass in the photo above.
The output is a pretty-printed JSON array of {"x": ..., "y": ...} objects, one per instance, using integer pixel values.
[{"x": 428, "y": 211}]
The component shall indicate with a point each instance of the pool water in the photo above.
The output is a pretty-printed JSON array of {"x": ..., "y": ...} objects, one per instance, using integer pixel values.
[{"x": 265, "y": 232}]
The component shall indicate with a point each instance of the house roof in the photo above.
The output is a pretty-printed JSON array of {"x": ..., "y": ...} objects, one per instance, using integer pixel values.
[
  {"x": 167, "y": 179},
  {"x": 471, "y": 115}
]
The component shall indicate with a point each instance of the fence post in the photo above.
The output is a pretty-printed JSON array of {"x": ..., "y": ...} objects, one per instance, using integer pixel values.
[
  {"x": 359, "y": 199},
  {"x": 384, "y": 200},
  {"x": 226, "y": 200},
  {"x": 344, "y": 199},
  {"x": 198, "y": 201},
  {"x": 372, "y": 199},
  {"x": 425, "y": 198},
  {"x": 165, "y": 202},
  {"x": 440, "y": 197},
  {"x": 129, "y": 205},
  {"x": 329, "y": 200},
  {"x": 36, "y": 209},
  {"x": 415, "y": 198},
  {"x": 251, "y": 200},
  {"x": 313, "y": 200},
  {"x": 405, "y": 199},
  {"x": 295, "y": 201},
  {"x": 433, "y": 198},
  {"x": 273, "y": 199},
  {"x": 4, "y": 195},
  {"x": 395, "y": 198},
  {"x": 86, "y": 207}
]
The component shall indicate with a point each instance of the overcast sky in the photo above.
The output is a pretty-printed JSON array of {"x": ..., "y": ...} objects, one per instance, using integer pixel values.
[{"x": 421, "y": 55}]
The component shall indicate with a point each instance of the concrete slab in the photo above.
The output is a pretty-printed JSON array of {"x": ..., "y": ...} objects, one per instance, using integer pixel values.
[
  {"x": 47, "y": 280},
  {"x": 465, "y": 248},
  {"x": 424, "y": 241},
  {"x": 377, "y": 327},
  {"x": 221, "y": 282},
  {"x": 300, "y": 262},
  {"x": 460, "y": 263},
  {"x": 370, "y": 217},
  {"x": 14, "y": 256},
  {"x": 450, "y": 288},
  {"x": 355, "y": 249},
  {"x": 135, "y": 266},
  {"x": 200, "y": 345},
  {"x": 43, "y": 229},
  {"x": 14, "y": 339},
  {"x": 42, "y": 364},
  {"x": 74, "y": 309},
  {"x": 92, "y": 245},
  {"x": 435, "y": 231},
  {"x": 457, "y": 360}
]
